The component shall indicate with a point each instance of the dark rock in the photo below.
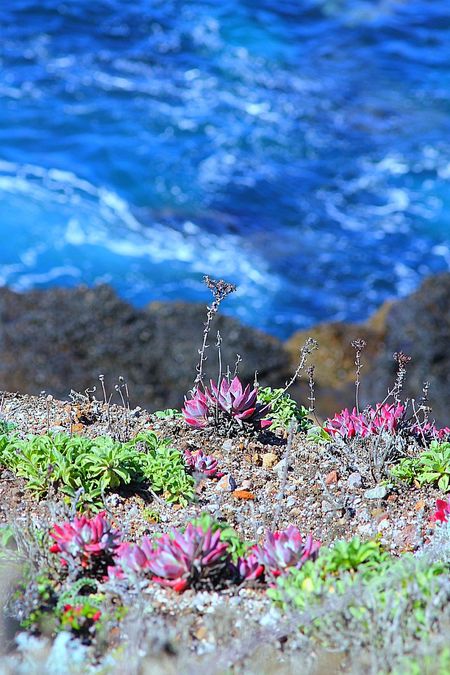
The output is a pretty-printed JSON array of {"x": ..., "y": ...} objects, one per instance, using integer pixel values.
[
  {"x": 334, "y": 361},
  {"x": 419, "y": 326},
  {"x": 62, "y": 339}
]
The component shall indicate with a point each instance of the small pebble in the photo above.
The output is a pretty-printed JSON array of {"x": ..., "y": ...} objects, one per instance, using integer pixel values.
[
  {"x": 268, "y": 460},
  {"x": 354, "y": 481},
  {"x": 280, "y": 467},
  {"x": 331, "y": 478},
  {"x": 378, "y": 492},
  {"x": 226, "y": 483}
]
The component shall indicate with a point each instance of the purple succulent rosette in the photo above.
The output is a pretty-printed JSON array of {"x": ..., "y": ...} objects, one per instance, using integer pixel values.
[
  {"x": 285, "y": 548},
  {"x": 176, "y": 560},
  {"x": 198, "y": 461},
  {"x": 225, "y": 397},
  {"x": 85, "y": 538}
]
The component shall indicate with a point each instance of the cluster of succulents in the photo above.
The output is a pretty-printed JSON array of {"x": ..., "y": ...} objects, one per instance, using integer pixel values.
[
  {"x": 85, "y": 539},
  {"x": 86, "y": 469},
  {"x": 198, "y": 462},
  {"x": 382, "y": 418},
  {"x": 177, "y": 559},
  {"x": 430, "y": 431},
  {"x": 197, "y": 556},
  {"x": 225, "y": 402},
  {"x": 372, "y": 421}
]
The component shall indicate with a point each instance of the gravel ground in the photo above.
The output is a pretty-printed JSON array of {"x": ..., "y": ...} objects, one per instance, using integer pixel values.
[{"x": 315, "y": 491}]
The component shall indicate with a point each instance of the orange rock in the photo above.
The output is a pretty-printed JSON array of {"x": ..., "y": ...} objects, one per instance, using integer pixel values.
[
  {"x": 243, "y": 494},
  {"x": 419, "y": 505},
  {"x": 331, "y": 478}
]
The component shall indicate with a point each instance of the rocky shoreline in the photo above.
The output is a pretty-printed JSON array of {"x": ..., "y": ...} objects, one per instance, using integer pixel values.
[{"x": 61, "y": 339}]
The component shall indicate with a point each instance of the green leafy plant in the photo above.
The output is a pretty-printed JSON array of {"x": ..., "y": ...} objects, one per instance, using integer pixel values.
[
  {"x": 352, "y": 555},
  {"x": 334, "y": 568},
  {"x": 165, "y": 470},
  {"x": 283, "y": 409},
  {"x": 382, "y": 590},
  {"x": 168, "y": 413},
  {"x": 88, "y": 468},
  {"x": 318, "y": 435},
  {"x": 6, "y": 427},
  {"x": 431, "y": 466}
]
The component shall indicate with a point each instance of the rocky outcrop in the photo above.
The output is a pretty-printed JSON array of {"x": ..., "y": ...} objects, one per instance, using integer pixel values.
[
  {"x": 61, "y": 339},
  {"x": 418, "y": 325},
  {"x": 57, "y": 339}
]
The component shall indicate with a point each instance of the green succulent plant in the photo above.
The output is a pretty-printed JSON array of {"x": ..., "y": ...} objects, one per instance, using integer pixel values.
[
  {"x": 431, "y": 466},
  {"x": 379, "y": 583},
  {"x": 283, "y": 409},
  {"x": 168, "y": 413},
  {"x": 88, "y": 468}
]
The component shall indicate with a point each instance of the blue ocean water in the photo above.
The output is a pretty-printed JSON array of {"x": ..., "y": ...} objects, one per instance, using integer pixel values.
[{"x": 298, "y": 148}]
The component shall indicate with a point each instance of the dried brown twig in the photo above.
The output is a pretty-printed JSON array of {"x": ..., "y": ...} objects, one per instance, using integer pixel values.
[{"x": 220, "y": 290}]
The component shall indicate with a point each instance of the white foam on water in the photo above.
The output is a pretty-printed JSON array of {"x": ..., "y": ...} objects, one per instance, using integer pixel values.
[{"x": 80, "y": 215}]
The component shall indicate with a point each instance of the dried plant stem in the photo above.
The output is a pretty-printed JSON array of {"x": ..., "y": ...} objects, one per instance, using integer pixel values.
[
  {"x": 220, "y": 289},
  {"x": 402, "y": 361},
  {"x": 236, "y": 365},
  {"x": 118, "y": 388},
  {"x": 312, "y": 392},
  {"x": 309, "y": 346},
  {"x": 48, "y": 402},
  {"x": 419, "y": 424},
  {"x": 277, "y": 514},
  {"x": 358, "y": 346},
  {"x": 106, "y": 401},
  {"x": 219, "y": 356}
]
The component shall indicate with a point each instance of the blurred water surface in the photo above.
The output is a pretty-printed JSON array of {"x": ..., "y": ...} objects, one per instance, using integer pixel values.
[{"x": 300, "y": 149}]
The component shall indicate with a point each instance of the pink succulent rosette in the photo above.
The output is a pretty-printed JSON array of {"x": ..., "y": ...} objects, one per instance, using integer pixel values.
[
  {"x": 199, "y": 462},
  {"x": 174, "y": 560},
  {"x": 84, "y": 538},
  {"x": 228, "y": 397},
  {"x": 285, "y": 548}
]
